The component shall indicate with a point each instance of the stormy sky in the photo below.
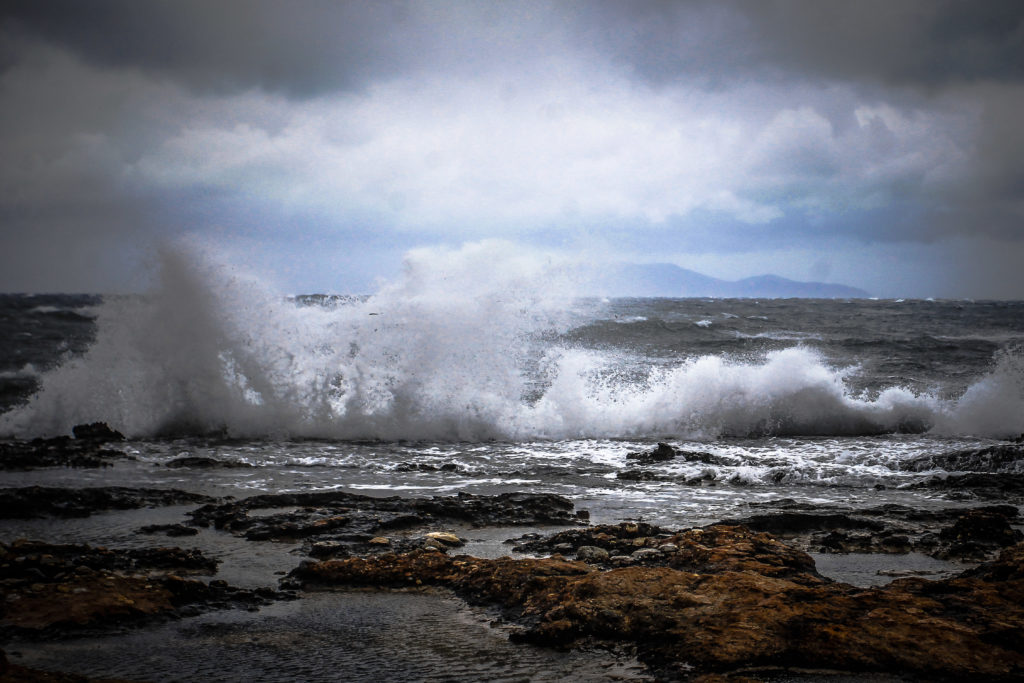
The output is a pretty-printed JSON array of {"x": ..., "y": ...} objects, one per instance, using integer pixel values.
[{"x": 876, "y": 143}]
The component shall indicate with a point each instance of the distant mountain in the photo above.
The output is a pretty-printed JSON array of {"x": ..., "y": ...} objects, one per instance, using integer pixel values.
[{"x": 668, "y": 280}]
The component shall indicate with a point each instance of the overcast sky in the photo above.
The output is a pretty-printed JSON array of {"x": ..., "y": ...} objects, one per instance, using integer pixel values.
[{"x": 877, "y": 143}]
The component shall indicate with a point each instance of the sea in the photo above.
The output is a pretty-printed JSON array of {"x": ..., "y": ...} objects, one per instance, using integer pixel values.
[{"x": 482, "y": 375}]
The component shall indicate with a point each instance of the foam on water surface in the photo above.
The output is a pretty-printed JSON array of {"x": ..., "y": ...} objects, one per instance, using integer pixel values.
[{"x": 469, "y": 344}]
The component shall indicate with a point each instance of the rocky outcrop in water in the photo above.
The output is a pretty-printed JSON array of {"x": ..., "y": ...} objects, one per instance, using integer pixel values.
[
  {"x": 48, "y": 501},
  {"x": 727, "y": 599},
  {"x": 977, "y": 486},
  {"x": 48, "y": 590},
  {"x": 347, "y": 519},
  {"x": 998, "y": 458},
  {"x": 641, "y": 462},
  {"x": 954, "y": 533},
  {"x": 88, "y": 449},
  {"x": 203, "y": 463}
]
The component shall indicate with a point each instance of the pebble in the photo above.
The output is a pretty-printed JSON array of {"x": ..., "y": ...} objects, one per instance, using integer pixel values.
[
  {"x": 591, "y": 553},
  {"x": 645, "y": 553},
  {"x": 445, "y": 537}
]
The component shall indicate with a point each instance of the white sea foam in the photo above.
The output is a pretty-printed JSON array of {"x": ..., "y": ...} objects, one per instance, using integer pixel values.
[
  {"x": 992, "y": 406},
  {"x": 463, "y": 346}
]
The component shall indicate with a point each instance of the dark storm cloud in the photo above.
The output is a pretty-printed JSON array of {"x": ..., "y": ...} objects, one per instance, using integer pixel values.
[
  {"x": 902, "y": 42},
  {"x": 227, "y": 45},
  {"x": 891, "y": 42},
  {"x": 301, "y": 49},
  {"x": 320, "y": 45}
]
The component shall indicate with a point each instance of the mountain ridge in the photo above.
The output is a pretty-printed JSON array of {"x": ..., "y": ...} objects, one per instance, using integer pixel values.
[{"x": 670, "y": 280}]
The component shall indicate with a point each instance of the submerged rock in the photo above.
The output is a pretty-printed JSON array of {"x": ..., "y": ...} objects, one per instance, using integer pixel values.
[{"x": 732, "y": 600}]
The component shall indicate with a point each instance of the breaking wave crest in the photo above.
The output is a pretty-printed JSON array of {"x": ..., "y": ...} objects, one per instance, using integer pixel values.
[{"x": 465, "y": 345}]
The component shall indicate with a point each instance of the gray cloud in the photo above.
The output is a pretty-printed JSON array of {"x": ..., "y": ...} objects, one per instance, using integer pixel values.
[
  {"x": 910, "y": 42},
  {"x": 714, "y": 126},
  {"x": 927, "y": 43}
]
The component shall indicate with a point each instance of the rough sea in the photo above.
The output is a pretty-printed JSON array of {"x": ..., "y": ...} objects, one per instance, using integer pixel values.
[{"x": 485, "y": 378}]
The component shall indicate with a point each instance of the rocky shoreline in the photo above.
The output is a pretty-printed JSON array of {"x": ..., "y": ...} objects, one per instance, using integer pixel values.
[{"x": 738, "y": 599}]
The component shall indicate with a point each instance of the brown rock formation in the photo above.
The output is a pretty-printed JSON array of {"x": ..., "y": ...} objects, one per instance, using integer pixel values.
[
  {"x": 46, "y": 589},
  {"x": 728, "y": 599}
]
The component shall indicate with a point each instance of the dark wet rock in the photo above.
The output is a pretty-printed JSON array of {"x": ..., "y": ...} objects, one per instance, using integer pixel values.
[
  {"x": 998, "y": 458},
  {"x": 87, "y": 449},
  {"x": 426, "y": 467},
  {"x": 973, "y": 534},
  {"x": 734, "y": 601},
  {"x": 44, "y": 501},
  {"x": 61, "y": 451},
  {"x": 96, "y": 431},
  {"x": 980, "y": 485},
  {"x": 329, "y": 549},
  {"x": 169, "y": 530},
  {"x": 591, "y": 554},
  {"x": 640, "y": 475},
  {"x": 354, "y": 521},
  {"x": 662, "y": 453},
  {"x": 196, "y": 462},
  {"x": 977, "y": 533},
  {"x": 684, "y": 550},
  {"x": 49, "y": 590},
  {"x": 51, "y": 559},
  {"x": 793, "y": 523}
]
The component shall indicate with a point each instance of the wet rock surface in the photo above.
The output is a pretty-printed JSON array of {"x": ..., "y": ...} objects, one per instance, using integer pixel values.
[
  {"x": 1007, "y": 457},
  {"x": 50, "y": 590},
  {"x": 48, "y": 501},
  {"x": 977, "y": 486},
  {"x": 198, "y": 462},
  {"x": 661, "y": 453},
  {"x": 338, "y": 523},
  {"x": 973, "y": 534},
  {"x": 87, "y": 449},
  {"x": 642, "y": 461},
  {"x": 711, "y": 549},
  {"x": 725, "y": 599}
]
